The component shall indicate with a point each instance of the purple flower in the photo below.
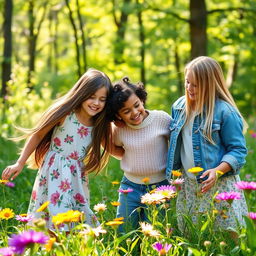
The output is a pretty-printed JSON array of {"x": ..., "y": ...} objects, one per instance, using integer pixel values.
[
  {"x": 24, "y": 217},
  {"x": 246, "y": 185},
  {"x": 7, "y": 251},
  {"x": 252, "y": 215},
  {"x": 228, "y": 196},
  {"x": 162, "y": 249},
  {"x": 10, "y": 184},
  {"x": 166, "y": 187},
  {"x": 125, "y": 191},
  {"x": 27, "y": 238},
  {"x": 253, "y": 135}
]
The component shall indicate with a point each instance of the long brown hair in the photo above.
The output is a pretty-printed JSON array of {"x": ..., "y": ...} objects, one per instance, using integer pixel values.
[{"x": 87, "y": 85}]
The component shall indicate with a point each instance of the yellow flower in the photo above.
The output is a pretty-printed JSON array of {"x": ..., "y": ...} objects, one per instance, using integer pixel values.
[
  {"x": 100, "y": 207},
  {"x": 6, "y": 214},
  {"x": 3, "y": 181},
  {"x": 146, "y": 180},
  {"x": 219, "y": 173},
  {"x": 115, "y": 182},
  {"x": 119, "y": 219},
  {"x": 114, "y": 223},
  {"x": 176, "y": 173},
  {"x": 115, "y": 203},
  {"x": 195, "y": 170},
  {"x": 67, "y": 217},
  {"x": 43, "y": 206},
  {"x": 50, "y": 243}
]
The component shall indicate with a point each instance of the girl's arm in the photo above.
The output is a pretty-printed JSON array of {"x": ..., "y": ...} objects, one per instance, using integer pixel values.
[{"x": 12, "y": 171}]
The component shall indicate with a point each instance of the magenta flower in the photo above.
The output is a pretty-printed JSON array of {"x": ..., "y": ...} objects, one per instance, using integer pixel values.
[
  {"x": 228, "y": 196},
  {"x": 7, "y": 251},
  {"x": 55, "y": 198},
  {"x": 65, "y": 185},
  {"x": 83, "y": 131},
  {"x": 10, "y": 184},
  {"x": 74, "y": 155},
  {"x": 162, "y": 249},
  {"x": 252, "y": 215},
  {"x": 166, "y": 187},
  {"x": 246, "y": 185},
  {"x": 24, "y": 218},
  {"x": 253, "y": 135},
  {"x": 27, "y": 238},
  {"x": 79, "y": 198},
  {"x": 125, "y": 191}
]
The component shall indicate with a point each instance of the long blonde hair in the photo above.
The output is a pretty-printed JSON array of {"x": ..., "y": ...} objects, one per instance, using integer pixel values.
[
  {"x": 87, "y": 85},
  {"x": 210, "y": 82}
]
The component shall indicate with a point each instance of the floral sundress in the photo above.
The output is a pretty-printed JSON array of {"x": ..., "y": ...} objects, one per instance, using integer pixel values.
[{"x": 60, "y": 180}]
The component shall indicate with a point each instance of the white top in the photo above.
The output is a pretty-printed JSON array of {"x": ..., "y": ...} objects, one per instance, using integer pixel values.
[
  {"x": 187, "y": 157},
  {"x": 146, "y": 147}
]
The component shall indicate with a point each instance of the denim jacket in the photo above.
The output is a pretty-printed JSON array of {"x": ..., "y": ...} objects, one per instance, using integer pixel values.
[{"x": 227, "y": 133}]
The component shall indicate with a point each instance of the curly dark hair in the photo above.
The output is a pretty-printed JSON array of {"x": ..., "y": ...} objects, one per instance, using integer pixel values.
[{"x": 121, "y": 92}]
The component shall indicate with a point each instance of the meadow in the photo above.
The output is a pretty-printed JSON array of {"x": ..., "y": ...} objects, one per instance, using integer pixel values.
[{"x": 161, "y": 237}]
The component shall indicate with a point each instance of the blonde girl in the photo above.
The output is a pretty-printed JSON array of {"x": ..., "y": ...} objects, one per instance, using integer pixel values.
[
  {"x": 65, "y": 145},
  {"x": 207, "y": 132}
]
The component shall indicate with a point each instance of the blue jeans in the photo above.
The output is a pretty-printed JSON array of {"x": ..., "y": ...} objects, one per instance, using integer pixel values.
[{"x": 131, "y": 207}]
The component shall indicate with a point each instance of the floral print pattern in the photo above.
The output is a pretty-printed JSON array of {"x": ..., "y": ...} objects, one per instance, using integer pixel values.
[
  {"x": 192, "y": 202},
  {"x": 60, "y": 179}
]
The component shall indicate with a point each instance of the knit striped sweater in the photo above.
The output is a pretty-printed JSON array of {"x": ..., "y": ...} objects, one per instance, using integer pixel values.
[{"x": 145, "y": 146}]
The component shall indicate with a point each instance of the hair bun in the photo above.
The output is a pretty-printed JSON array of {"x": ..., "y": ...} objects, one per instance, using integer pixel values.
[{"x": 126, "y": 80}]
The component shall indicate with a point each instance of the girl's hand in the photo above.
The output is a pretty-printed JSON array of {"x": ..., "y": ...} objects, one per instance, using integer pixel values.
[
  {"x": 12, "y": 171},
  {"x": 210, "y": 182}
]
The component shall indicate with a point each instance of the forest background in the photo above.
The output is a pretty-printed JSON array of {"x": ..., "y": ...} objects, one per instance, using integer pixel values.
[{"x": 46, "y": 45}]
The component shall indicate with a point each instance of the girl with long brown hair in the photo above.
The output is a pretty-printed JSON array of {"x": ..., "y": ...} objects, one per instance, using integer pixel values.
[{"x": 65, "y": 145}]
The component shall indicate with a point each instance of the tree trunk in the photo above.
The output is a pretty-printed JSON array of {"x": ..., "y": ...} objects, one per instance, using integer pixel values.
[
  {"x": 142, "y": 45},
  {"x": 198, "y": 25},
  {"x": 7, "y": 54},
  {"x": 119, "y": 45}
]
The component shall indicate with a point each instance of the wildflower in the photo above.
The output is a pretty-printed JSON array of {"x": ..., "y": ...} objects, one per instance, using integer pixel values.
[
  {"x": 119, "y": 219},
  {"x": 100, "y": 207},
  {"x": 3, "y": 181},
  {"x": 148, "y": 230},
  {"x": 114, "y": 223},
  {"x": 67, "y": 217},
  {"x": 24, "y": 217},
  {"x": 176, "y": 173},
  {"x": 115, "y": 203},
  {"x": 115, "y": 182},
  {"x": 50, "y": 244},
  {"x": 246, "y": 185},
  {"x": 146, "y": 180},
  {"x": 167, "y": 191},
  {"x": 125, "y": 191},
  {"x": 10, "y": 184},
  {"x": 195, "y": 170},
  {"x": 177, "y": 183},
  {"x": 162, "y": 249},
  {"x": 154, "y": 198},
  {"x": 25, "y": 239},
  {"x": 253, "y": 135},
  {"x": 252, "y": 215},
  {"x": 93, "y": 231},
  {"x": 7, "y": 251},
  {"x": 6, "y": 214},
  {"x": 228, "y": 196},
  {"x": 43, "y": 206},
  {"x": 207, "y": 244}
]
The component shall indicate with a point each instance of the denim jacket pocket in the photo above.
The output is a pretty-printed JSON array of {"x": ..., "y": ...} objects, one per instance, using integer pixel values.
[{"x": 215, "y": 132}]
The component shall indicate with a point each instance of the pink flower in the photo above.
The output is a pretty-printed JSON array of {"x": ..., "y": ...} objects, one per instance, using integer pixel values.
[
  {"x": 55, "y": 174},
  {"x": 27, "y": 239},
  {"x": 162, "y": 249},
  {"x": 33, "y": 195},
  {"x": 228, "y": 196},
  {"x": 65, "y": 185},
  {"x": 79, "y": 198},
  {"x": 69, "y": 139},
  {"x": 253, "y": 135},
  {"x": 74, "y": 155},
  {"x": 72, "y": 169},
  {"x": 55, "y": 197},
  {"x": 252, "y": 215},
  {"x": 24, "y": 218},
  {"x": 57, "y": 141},
  {"x": 7, "y": 251},
  {"x": 10, "y": 184},
  {"x": 246, "y": 185},
  {"x": 166, "y": 188},
  {"x": 51, "y": 160},
  {"x": 83, "y": 131},
  {"x": 125, "y": 191}
]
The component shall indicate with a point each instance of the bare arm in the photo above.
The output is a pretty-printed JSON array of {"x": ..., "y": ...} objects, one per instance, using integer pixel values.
[{"x": 12, "y": 171}]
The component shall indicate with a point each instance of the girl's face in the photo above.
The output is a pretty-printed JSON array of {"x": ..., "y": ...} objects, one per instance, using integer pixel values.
[
  {"x": 191, "y": 86},
  {"x": 95, "y": 103},
  {"x": 133, "y": 111}
]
